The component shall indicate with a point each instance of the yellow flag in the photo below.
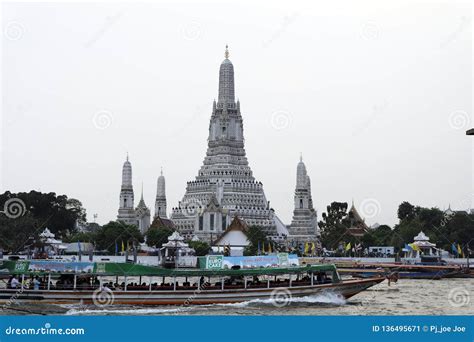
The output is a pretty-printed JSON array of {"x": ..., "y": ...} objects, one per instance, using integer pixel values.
[
  {"x": 348, "y": 246},
  {"x": 123, "y": 247},
  {"x": 306, "y": 248},
  {"x": 459, "y": 250},
  {"x": 269, "y": 247},
  {"x": 313, "y": 248},
  {"x": 415, "y": 247}
]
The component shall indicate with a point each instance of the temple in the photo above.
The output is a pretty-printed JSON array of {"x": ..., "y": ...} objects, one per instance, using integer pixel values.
[
  {"x": 224, "y": 194},
  {"x": 225, "y": 186},
  {"x": 139, "y": 216},
  {"x": 304, "y": 226}
]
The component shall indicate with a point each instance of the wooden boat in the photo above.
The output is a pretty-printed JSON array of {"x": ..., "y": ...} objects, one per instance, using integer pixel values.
[{"x": 115, "y": 283}]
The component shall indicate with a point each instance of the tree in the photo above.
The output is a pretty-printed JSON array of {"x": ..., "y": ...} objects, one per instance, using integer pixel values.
[
  {"x": 406, "y": 211},
  {"x": 256, "y": 237},
  {"x": 201, "y": 248},
  {"x": 156, "y": 237},
  {"x": 113, "y": 234},
  {"x": 36, "y": 211},
  {"x": 334, "y": 225},
  {"x": 81, "y": 237}
]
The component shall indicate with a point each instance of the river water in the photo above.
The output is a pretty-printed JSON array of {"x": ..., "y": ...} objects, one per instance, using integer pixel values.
[{"x": 406, "y": 297}]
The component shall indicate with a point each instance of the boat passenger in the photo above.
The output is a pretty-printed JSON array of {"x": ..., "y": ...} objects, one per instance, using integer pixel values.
[
  {"x": 14, "y": 282},
  {"x": 36, "y": 284}
]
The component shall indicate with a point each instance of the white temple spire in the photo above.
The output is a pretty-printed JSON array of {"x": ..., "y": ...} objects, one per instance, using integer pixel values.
[
  {"x": 160, "y": 202},
  {"x": 126, "y": 212}
]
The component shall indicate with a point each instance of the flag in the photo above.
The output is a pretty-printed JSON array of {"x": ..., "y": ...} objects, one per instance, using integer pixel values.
[
  {"x": 313, "y": 248},
  {"x": 306, "y": 248},
  {"x": 79, "y": 247},
  {"x": 269, "y": 247},
  {"x": 459, "y": 249},
  {"x": 116, "y": 248},
  {"x": 454, "y": 249},
  {"x": 348, "y": 246},
  {"x": 415, "y": 247},
  {"x": 408, "y": 247},
  {"x": 123, "y": 247}
]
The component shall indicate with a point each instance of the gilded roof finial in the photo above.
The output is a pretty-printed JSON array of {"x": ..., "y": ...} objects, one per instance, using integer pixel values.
[{"x": 226, "y": 51}]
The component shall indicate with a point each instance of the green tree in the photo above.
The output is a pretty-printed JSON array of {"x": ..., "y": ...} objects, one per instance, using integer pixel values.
[
  {"x": 201, "y": 248},
  {"x": 114, "y": 233},
  {"x": 156, "y": 237},
  {"x": 256, "y": 237},
  {"x": 334, "y": 225},
  {"x": 81, "y": 237},
  {"x": 406, "y": 211},
  {"x": 36, "y": 212}
]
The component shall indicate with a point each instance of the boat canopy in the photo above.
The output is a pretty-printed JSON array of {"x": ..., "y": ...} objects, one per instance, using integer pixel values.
[{"x": 44, "y": 267}]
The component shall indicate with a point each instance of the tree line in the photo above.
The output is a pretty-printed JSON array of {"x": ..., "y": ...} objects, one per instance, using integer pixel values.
[{"x": 21, "y": 224}]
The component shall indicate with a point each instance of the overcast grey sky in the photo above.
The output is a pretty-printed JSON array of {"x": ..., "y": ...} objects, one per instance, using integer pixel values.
[{"x": 375, "y": 94}]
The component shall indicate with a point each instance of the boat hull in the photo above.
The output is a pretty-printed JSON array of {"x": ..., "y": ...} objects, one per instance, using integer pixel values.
[{"x": 346, "y": 289}]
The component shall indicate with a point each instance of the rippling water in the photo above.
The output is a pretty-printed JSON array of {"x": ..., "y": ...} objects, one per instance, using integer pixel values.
[{"x": 407, "y": 297}]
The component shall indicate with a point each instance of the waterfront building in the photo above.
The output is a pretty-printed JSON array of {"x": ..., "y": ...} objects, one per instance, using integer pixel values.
[
  {"x": 357, "y": 227},
  {"x": 236, "y": 235}
]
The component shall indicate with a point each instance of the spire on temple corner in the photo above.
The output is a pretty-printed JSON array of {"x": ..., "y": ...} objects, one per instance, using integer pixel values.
[
  {"x": 160, "y": 202},
  {"x": 301, "y": 157},
  {"x": 226, "y": 52}
]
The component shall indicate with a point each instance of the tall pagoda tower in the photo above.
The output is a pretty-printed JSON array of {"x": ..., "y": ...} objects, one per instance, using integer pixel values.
[
  {"x": 304, "y": 226},
  {"x": 225, "y": 185},
  {"x": 160, "y": 201},
  {"x": 126, "y": 212}
]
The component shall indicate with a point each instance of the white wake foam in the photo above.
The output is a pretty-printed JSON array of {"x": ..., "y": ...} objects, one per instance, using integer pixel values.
[{"x": 323, "y": 298}]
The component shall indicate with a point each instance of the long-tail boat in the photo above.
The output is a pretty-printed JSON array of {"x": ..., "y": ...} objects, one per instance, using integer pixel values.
[{"x": 136, "y": 284}]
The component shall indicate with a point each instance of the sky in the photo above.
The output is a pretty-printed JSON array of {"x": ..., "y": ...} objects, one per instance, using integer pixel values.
[{"x": 375, "y": 95}]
